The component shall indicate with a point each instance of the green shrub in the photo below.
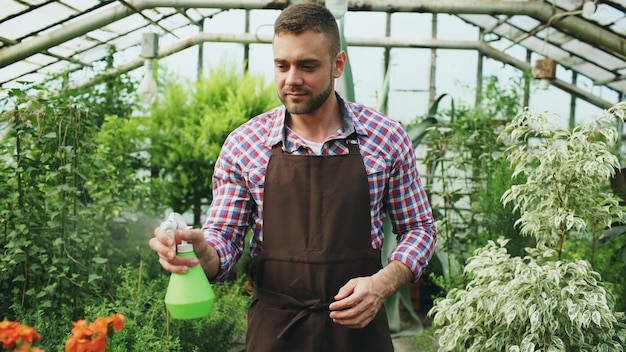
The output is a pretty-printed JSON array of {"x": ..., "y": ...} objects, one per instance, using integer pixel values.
[
  {"x": 528, "y": 304},
  {"x": 140, "y": 299},
  {"x": 542, "y": 302}
]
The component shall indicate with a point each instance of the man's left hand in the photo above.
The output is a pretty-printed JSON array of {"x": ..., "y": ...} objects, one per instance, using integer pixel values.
[
  {"x": 357, "y": 303},
  {"x": 360, "y": 299}
]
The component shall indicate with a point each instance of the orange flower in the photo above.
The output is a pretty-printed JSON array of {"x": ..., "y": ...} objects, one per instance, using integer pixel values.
[
  {"x": 117, "y": 320},
  {"x": 14, "y": 334},
  {"x": 92, "y": 337},
  {"x": 28, "y": 334},
  {"x": 96, "y": 344},
  {"x": 84, "y": 337},
  {"x": 100, "y": 326},
  {"x": 8, "y": 334}
]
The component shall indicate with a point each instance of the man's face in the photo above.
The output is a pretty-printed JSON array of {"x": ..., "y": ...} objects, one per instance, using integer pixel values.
[{"x": 303, "y": 70}]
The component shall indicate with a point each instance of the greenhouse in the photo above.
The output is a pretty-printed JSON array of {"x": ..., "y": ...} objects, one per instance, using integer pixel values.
[{"x": 117, "y": 115}]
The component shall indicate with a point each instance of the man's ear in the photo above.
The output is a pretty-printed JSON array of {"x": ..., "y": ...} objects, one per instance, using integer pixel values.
[{"x": 339, "y": 64}]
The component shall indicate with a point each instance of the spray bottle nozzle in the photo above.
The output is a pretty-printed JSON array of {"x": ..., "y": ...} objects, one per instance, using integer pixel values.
[{"x": 174, "y": 222}]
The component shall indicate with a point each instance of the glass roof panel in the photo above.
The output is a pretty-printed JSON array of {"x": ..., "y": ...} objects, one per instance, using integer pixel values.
[
  {"x": 554, "y": 36},
  {"x": 163, "y": 11},
  {"x": 591, "y": 70},
  {"x": 102, "y": 35},
  {"x": 175, "y": 21},
  {"x": 209, "y": 12},
  {"x": 194, "y": 15},
  {"x": 32, "y": 77},
  {"x": 16, "y": 69},
  {"x": 605, "y": 15},
  {"x": 593, "y": 54},
  {"x": 10, "y": 7},
  {"x": 150, "y": 14},
  {"x": 41, "y": 59},
  {"x": 78, "y": 44},
  {"x": 568, "y": 5},
  {"x": 619, "y": 86},
  {"x": 130, "y": 39},
  {"x": 20, "y": 26},
  {"x": 127, "y": 24},
  {"x": 57, "y": 10},
  {"x": 61, "y": 51},
  {"x": 45, "y": 16},
  {"x": 81, "y": 5},
  {"x": 485, "y": 21},
  {"x": 34, "y": 2},
  {"x": 56, "y": 68},
  {"x": 93, "y": 54},
  {"x": 526, "y": 23},
  {"x": 572, "y": 61},
  {"x": 544, "y": 48},
  {"x": 225, "y": 22},
  {"x": 508, "y": 31},
  {"x": 619, "y": 26}
]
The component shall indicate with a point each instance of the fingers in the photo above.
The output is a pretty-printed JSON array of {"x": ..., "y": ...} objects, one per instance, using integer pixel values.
[
  {"x": 358, "y": 315},
  {"x": 162, "y": 243},
  {"x": 356, "y": 304}
]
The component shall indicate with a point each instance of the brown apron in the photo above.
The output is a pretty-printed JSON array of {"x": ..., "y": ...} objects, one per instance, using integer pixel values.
[{"x": 316, "y": 237}]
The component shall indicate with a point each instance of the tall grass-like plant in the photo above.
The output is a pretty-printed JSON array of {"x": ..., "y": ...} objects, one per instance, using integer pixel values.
[{"x": 540, "y": 302}]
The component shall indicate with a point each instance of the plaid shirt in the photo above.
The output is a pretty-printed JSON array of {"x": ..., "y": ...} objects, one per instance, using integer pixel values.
[{"x": 389, "y": 159}]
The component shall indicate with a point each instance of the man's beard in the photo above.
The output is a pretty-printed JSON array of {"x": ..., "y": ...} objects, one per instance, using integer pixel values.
[{"x": 311, "y": 106}]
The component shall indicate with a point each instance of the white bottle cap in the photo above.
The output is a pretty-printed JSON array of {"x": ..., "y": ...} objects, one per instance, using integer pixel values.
[{"x": 185, "y": 247}]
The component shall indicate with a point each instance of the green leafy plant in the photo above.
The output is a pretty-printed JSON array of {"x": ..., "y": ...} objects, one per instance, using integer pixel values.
[
  {"x": 466, "y": 176},
  {"x": 187, "y": 128},
  {"x": 567, "y": 173},
  {"x": 464, "y": 180},
  {"x": 528, "y": 304},
  {"x": 46, "y": 259},
  {"x": 540, "y": 302},
  {"x": 78, "y": 196}
]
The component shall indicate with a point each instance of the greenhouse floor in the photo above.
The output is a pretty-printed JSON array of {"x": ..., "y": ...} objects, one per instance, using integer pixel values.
[{"x": 400, "y": 343}]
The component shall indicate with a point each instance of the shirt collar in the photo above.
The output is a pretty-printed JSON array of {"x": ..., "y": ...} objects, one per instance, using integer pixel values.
[{"x": 351, "y": 122}]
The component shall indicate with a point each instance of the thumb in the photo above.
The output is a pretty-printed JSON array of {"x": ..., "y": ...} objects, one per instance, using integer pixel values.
[
  {"x": 193, "y": 236},
  {"x": 346, "y": 290}
]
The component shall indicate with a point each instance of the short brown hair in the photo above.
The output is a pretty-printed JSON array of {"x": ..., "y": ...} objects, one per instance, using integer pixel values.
[{"x": 298, "y": 18}]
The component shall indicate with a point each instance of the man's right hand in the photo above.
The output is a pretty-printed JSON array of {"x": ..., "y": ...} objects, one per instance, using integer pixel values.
[{"x": 163, "y": 244}]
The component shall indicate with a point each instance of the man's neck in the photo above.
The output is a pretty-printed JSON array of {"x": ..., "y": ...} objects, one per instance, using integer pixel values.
[{"x": 319, "y": 125}]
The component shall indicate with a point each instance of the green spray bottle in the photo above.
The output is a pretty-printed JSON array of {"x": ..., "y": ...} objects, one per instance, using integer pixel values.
[{"x": 189, "y": 295}]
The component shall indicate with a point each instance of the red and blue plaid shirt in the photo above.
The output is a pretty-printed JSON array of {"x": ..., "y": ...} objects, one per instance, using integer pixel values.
[{"x": 389, "y": 159}]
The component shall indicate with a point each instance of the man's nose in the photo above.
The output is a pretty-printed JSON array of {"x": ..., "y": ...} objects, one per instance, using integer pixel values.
[{"x": 294, "y": 77}]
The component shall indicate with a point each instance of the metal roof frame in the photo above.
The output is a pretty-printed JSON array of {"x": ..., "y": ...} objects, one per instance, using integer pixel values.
[{"x": 594, "y": 47}]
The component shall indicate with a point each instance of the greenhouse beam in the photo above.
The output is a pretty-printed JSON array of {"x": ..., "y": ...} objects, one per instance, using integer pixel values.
[
  {"x": 539, "y": 10},
  {"x": 249, "y": 38}
]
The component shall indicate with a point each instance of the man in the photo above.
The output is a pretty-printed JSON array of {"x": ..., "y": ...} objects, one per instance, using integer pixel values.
[{"x": 313, "y": 179}]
